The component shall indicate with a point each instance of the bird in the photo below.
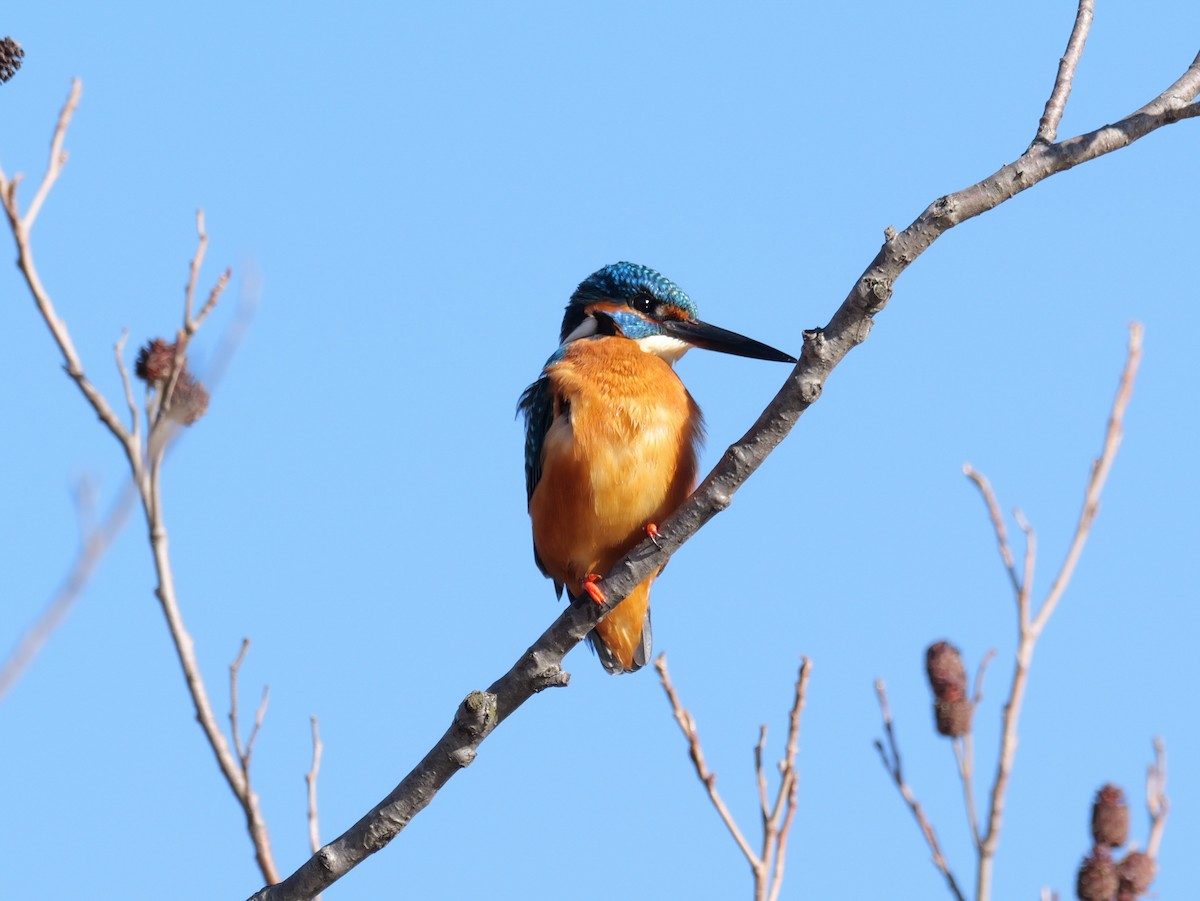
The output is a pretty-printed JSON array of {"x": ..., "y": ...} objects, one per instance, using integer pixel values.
[{"x": 612, "y": 438}]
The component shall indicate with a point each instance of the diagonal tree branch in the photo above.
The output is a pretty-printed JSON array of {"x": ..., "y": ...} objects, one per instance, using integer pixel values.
[{"x": 540, "y": 666}]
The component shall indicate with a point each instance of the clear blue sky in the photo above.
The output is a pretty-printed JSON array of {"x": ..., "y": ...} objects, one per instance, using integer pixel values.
[{"x": 419, "y": 190}]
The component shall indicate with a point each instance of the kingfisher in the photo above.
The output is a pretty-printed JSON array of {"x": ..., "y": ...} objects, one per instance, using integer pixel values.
[{"x": 612, "y": 439}]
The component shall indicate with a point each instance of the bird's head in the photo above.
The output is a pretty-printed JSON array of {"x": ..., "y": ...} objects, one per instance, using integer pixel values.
[{"x": 635, "y": 302}]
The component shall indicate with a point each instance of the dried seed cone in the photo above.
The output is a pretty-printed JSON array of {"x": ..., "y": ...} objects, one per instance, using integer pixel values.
[
  {"x": 1098, "y": 879},
  {"x": 953, "y": 718},
  {"x": 11, "y": 54},
  {"x": 947, "y": 676},
  {"x": 1136, "y": 872},
  {"x": 1110, "y": 817},
  {"x": 189, "y": 401},
  {"x": 154, "y": 361}
]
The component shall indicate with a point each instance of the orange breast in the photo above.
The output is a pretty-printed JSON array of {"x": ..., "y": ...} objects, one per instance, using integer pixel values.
[{"x": 621, "y": 453}]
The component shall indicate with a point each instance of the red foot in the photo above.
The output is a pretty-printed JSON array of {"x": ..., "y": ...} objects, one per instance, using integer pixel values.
[
  {"x": 595, "y": 592},
  {"x": 653, "y": 533}
]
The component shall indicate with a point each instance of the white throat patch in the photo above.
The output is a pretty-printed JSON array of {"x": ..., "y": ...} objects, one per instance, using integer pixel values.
[{"x": 670, "y": 349}]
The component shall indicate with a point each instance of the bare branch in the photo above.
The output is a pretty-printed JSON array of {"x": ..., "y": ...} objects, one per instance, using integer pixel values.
[
  {"x": 94, "y": 546},
  {"x": 21, "y": 226},
  {"x": 97, "y": 542},
  {"x": 892, "y": 763},
  {"x": 767, "y": 867},
  {"x": 1048, "y": 127},
  {"x": 1030, "y": 631},
  {"x": 688, "y": 726}
]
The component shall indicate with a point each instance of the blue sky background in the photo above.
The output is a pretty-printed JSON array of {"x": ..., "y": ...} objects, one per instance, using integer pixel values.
[{"x": 418, "y": 189}]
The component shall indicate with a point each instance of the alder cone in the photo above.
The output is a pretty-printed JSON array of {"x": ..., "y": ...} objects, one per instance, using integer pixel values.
[
  {"x": 953, "y": 718},
  {"x": 947, "y": 676},
  {"x": 1136, "y": 872},
  {"x": 1098, "y": 880},
  {"x": 1110, "y": 817}
]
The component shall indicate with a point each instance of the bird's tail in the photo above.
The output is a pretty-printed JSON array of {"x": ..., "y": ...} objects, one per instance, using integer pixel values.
[{"x": 622, "y": 639}]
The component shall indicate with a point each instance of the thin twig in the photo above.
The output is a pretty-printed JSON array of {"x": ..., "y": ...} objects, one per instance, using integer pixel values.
[
  {"x": 1100, "y": 471},
  {"x": 760, "y": 773},
  {"x": 979, "y": 673},
  {"x": 244, "y": 751},
  {"x": 189, "y": 293},
  {"x": 964, "y": 749},
  {"x": 259, "y": 716},
  {"x": 964, "y": 757},
  {"x": 127, "y": 384},
  {"x": 234, "y": 729},
  {"x": 93, "y": 548},
  {"x": 1026, "y": 592},
  {"x": 217, "y": 289},
  {"x": 1156, "y": 797},
  {"x": 310, "y": 779},
  {"x": 767, "y": 867},
  {"x": 1057, "y": 104},
  {"x": 58, "y": 157},
  {"x": 791, "y": 779},
  {"x": 161, "y": 423},
  {"x": 989, "y": 498},
  {"x": 890, "y": 755}
]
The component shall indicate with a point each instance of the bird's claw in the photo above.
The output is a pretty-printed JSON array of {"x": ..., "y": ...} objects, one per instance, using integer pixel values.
[
  {"x": 595, "y": 592},
  {"x": 653, "y": 533}
]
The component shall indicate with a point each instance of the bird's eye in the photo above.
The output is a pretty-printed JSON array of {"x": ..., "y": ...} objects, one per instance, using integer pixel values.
[{"x": 643, "y": 303}]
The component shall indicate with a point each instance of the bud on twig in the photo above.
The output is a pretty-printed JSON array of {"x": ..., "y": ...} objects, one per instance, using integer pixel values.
[
  {"x": 1110, "y": 817},
  {"x": 1097, "y": 877},
  {"x": 1136, "y": 872},
  {"x": 952, "y": 708}
]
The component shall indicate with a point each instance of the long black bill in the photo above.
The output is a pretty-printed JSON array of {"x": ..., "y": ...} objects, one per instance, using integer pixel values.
[{"x": 711, "y": 337}]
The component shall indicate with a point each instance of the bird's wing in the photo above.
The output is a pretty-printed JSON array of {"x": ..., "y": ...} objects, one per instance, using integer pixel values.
[{"x": 537, "y": 403}]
